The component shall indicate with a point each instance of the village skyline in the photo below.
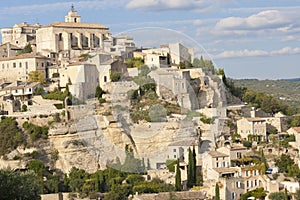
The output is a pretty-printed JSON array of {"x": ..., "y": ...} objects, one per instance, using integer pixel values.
[{"x": 248, "y": 39}]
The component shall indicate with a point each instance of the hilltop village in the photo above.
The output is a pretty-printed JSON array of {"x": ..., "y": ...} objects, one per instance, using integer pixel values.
[{"x": 89, "y": 115}]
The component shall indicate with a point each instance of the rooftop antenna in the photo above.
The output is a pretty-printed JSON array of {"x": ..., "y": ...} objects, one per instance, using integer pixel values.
[{"x": 72, "y": 8}]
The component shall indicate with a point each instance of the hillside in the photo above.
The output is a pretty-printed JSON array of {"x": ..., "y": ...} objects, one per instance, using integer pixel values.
[{"x": 285, "y": 90}]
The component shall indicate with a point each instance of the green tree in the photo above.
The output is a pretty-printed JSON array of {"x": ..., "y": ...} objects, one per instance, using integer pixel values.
[
  {"x": 115, "y": 76},
  {"x": 27, "y": 49},
  {"x": 178, "y": 185},
  {"x": 99, "y": 92},
  {"x": 10, "y": 135},
  {"x": 35, "y": 76},
  {"x": 277, "y": 196},
  {"x": 217, "y": 192},
  {"x": 263, "y": 160},
  {"x": 295, "y": 121},
  {"x": 191, "y": 176},
  {"x": 77, "y": 178},
  {"x": 18, "y": 186},
  {"x": 39, "y": 169},
  {"x": 24, "y": 108},
  {"x": 284, "y": 162}
]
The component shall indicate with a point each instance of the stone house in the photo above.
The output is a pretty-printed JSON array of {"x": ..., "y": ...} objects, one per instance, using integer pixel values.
[
  {"x": 20, "y": 34},
  {"x": 173, "y": 85},
  {"x": 254, "y": 127},
  {"x": 17, "y": 68},
  {"x": 81, "y": 78},
  {"x": 180, "y": 150},
  {"x": 8, "y": 50},
  {"x": 20, "y": 90},
  {"x": 234, "y": 178},
  {"x": 296, "y": 131}
]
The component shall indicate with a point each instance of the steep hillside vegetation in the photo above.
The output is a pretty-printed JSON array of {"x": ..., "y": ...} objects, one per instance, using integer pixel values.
[{"x": 285, "y": 90}]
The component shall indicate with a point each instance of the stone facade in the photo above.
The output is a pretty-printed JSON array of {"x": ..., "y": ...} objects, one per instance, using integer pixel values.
[
  {"x": 252, "y": 126},
  {"x": 8, "y": 50},
  {"x": 70, "y": 38},
  {"x": 20, "y": 34},
  {"x": 17, "y": 68},
  {"x": 82, "y": 80}
]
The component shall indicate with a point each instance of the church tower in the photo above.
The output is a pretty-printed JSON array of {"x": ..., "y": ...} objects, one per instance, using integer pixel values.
[{"x": 72, "y": 16}]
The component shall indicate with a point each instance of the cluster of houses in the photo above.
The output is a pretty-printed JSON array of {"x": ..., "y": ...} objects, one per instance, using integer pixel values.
[
  {"x": 74, "y": 53},
  {"x": 85, "y": 55},
  {"x": 233, "y": 166}
]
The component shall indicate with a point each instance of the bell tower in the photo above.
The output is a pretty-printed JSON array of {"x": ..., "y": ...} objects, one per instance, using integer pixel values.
[{"x": 72, "y": 16}]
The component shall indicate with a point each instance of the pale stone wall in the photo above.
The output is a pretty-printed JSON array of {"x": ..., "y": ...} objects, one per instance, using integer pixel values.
[
  {"x": 246, "y": 127},
  {"x": 18, "y": 68},
  {"x": 84, "y": 80},
  {"x": 20, "y": 34},
  {"x": 57, "y": 39}
]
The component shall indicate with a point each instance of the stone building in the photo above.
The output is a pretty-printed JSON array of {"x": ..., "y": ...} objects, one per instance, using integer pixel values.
[
  {"x": 17, "y": 68},
  {"x": 252, "y": 127},
  {"x": 20, "y": 34},
  {"x": 70, "y": 38},
  {"x": 8, "y": 50},
  {"x": 81, "y": 78},
  {"x": 173, "y": 85},
  {"x": 235, "y": 173}
]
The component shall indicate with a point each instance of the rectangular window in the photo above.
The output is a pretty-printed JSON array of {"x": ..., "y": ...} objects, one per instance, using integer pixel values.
[
  {"x": 174, "y": 150},
  {"x": 14, "y": 65},
  {"x": 20, "y": 64}
]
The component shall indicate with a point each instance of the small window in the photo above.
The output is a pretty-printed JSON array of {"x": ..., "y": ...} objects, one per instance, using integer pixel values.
[
  {"x": 16, "y": 91},
  {"x": 105, "y": 79},
  {"x": 20, "y": 64},
  {"x": 174, "y": 150},
  {"x": 14, "y": 65}
]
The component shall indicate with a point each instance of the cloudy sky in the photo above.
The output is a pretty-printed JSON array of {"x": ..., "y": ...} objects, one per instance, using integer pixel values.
[{"x": 248, "y": 38}]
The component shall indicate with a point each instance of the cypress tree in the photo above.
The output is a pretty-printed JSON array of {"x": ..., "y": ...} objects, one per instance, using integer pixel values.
[
  {"x": 190, "y": 170},
  {"x": 217, "y": 192},
  {"x": 178, "y": 185},
  {"x": 263, "y": 160},
  {"x": 194, "y": 166}
]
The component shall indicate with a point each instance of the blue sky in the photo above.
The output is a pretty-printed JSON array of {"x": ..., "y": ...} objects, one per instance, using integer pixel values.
[{"x": 248, "y": 38}]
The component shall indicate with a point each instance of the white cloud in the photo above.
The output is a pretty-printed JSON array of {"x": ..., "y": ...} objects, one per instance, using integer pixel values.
[
  {"x": 197, "y": 22},
  {"x": 257, "y": 53},
  {"x": 267, "y": 21},
  {"x": 160, "y": 5},
  {"x": 241, "y": 53},
  {"x": 286, "y": 51}
]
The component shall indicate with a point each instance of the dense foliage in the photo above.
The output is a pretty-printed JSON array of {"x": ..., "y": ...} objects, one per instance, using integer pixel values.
[
  {"x": 57, "y": 95},
  {"x": 36, "y": 132},
  {"x": 178, "y": 184},
  {"x": 10, "y": 135},
  {"x": 35, "y": 76},
  {"x": 134, "y": 62},
  {"x": 191, "y": 176},
  {"x": 257, "y": 193},
  {"x": 18, "y": 186},
  {"x": 27, "y": 49}
]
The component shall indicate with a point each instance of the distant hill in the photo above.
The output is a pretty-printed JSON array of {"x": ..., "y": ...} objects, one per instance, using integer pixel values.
[
  {"x": 292, "y": 80},
  {"x": 286, "y": 90}
]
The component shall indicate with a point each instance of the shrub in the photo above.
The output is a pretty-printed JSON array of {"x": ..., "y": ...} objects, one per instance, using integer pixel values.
[
  {"x": 247, "y": 144},
  {"x": 24, "y": 108}
]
